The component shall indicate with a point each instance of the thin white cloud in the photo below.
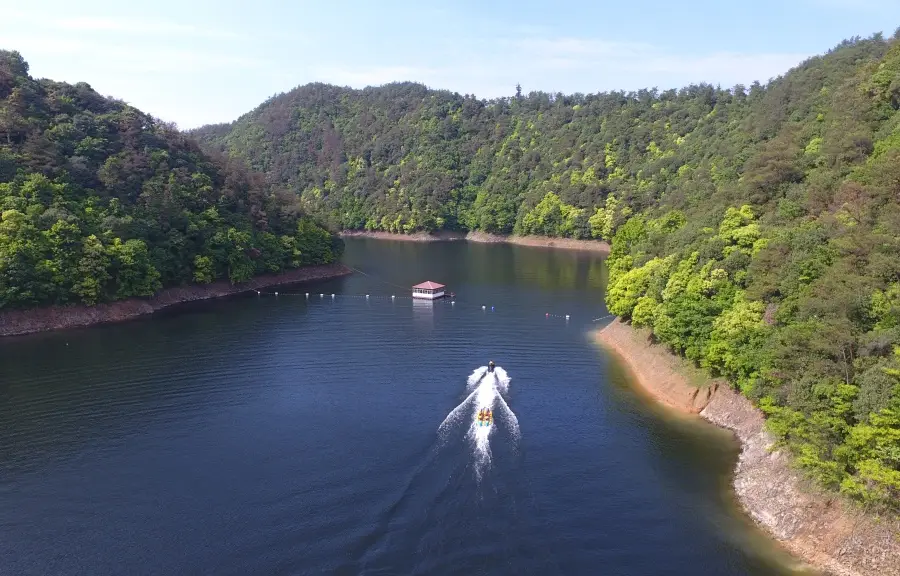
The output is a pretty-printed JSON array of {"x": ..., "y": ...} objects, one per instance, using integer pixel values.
[
  {"x": 887, "y": 10},
  {"x": 570, "y": 65},
  {"x": 575, "y": 47},
  {"x": 643, "y": 57},
  {"x": 105, "y": 26},
  {"x": 854, "y": 4},
  {"x": 174, "y": 62},
  {"x": 718, "y": 66},
  {"x": 146, "y": 60},
  {"x": 118, "y": 57},
  {"x": 44, "y": 45},
  {"x": 143, "y": 27}
]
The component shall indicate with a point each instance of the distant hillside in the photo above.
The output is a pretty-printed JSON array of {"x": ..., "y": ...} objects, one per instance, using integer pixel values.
[
  {"x": 755, "y": 229},
  {"x": 402, "y": 158},
  {"x": 100, "y": 202}
]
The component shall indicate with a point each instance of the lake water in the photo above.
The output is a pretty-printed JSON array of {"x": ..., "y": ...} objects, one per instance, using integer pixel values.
[{"x": 286, "y": 435}]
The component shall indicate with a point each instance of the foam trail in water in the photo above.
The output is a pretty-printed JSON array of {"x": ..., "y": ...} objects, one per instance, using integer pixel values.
[
  {"x": 475, "y": 378},
  {"x": 480, "y": 435},
  {"x": 486, "y": 389},
  {"x": 455, "y": 414},
  {"x": 510, "y": 417},
  {"x": 502, "y": 379}
]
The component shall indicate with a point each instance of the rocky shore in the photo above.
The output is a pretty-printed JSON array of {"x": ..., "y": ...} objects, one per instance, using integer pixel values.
[
  {"x": 16, "y": 322},
  {"x": 541, "y": 241},
  {"x": 441, "y": 236},
  {"x": 820, "y": 528},
  {"x": 485, "y": 238}
]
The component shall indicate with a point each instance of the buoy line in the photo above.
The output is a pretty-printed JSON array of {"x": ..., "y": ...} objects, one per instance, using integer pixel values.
[{"x": 393, "y": 297}]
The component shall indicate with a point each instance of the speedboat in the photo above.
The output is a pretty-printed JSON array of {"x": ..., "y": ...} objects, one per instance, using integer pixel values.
[{"x": 491, "y": 366}]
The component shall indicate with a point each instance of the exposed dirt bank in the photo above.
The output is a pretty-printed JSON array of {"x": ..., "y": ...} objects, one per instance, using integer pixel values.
[
  {"x": 442, "y": 236},
  {"x": 15, "y": 322},
  {"x": 482, "y": 237},
  {"x": 543, "y": 241},
  {"x": 820, "y": 528}
]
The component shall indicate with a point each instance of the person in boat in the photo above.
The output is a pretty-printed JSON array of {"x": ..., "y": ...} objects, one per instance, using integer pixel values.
[{"x": 491, "y": 366}]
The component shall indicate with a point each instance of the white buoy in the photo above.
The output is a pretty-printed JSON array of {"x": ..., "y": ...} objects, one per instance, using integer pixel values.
[
  {"x": 392, "y": 296},
  {"x": 453, "y": 302},
  {"x": 567, "y": 316},
  {"x": 367, "y": 296},
  {"x": 332, "y": 296},
  {"x": 276, "y": 293},
  {"x": 484, "y": 307},
  {"x": 321, "y": 295},
  {"x": 307, "y": 294}
]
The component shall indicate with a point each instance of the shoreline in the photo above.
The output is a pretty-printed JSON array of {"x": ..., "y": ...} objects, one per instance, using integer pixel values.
[
  {"x": 439, "y": 236},
  {"x": 45, "y": 319},
  {"x": 485, "y": 238},
  {"x": 820, "y": 528}
]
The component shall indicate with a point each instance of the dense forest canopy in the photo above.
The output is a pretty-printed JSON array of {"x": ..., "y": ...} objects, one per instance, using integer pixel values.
[
  {"x": 755, "y": 229},
  {"x": 99, "y": 201}
]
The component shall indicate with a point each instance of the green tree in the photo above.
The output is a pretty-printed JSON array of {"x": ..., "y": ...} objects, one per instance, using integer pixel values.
[
  {"x": 92, "y": 271},
  {"x": 240, "y": 266},
  {"x": 204, "y": 272},
  {"x": 101, "y": 202},
  {"x": 131, "y": 269}
]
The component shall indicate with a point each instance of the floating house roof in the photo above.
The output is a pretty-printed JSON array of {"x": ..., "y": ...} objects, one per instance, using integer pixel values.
[{"x": 429, "y": 285}]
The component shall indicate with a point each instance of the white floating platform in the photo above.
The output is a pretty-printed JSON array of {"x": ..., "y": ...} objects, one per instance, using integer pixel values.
[{"x": 428, "y": 290}]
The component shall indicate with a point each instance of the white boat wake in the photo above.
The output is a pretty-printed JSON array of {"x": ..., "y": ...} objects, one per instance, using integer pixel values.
[{"x": 486, "y": 390}]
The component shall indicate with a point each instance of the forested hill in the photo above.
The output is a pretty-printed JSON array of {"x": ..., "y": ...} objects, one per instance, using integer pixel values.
[
  {"x": 756, "y": 230},
  {"x": 402, "y": 158},
  {"x": 100, "y": 201}
]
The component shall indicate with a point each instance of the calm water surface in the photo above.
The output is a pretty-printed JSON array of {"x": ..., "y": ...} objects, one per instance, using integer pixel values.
[{"x": 264, "y": 435}]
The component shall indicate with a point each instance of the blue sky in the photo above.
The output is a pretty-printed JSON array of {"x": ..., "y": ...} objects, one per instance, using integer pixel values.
[{"x": 199, "y": 61}]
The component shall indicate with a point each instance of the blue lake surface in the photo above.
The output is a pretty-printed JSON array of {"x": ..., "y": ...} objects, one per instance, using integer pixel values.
[{"x": 286, "y": 435}]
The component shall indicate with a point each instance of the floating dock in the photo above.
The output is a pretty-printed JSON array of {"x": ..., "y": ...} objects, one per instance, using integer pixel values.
[{"x": 428, "y": 290}]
